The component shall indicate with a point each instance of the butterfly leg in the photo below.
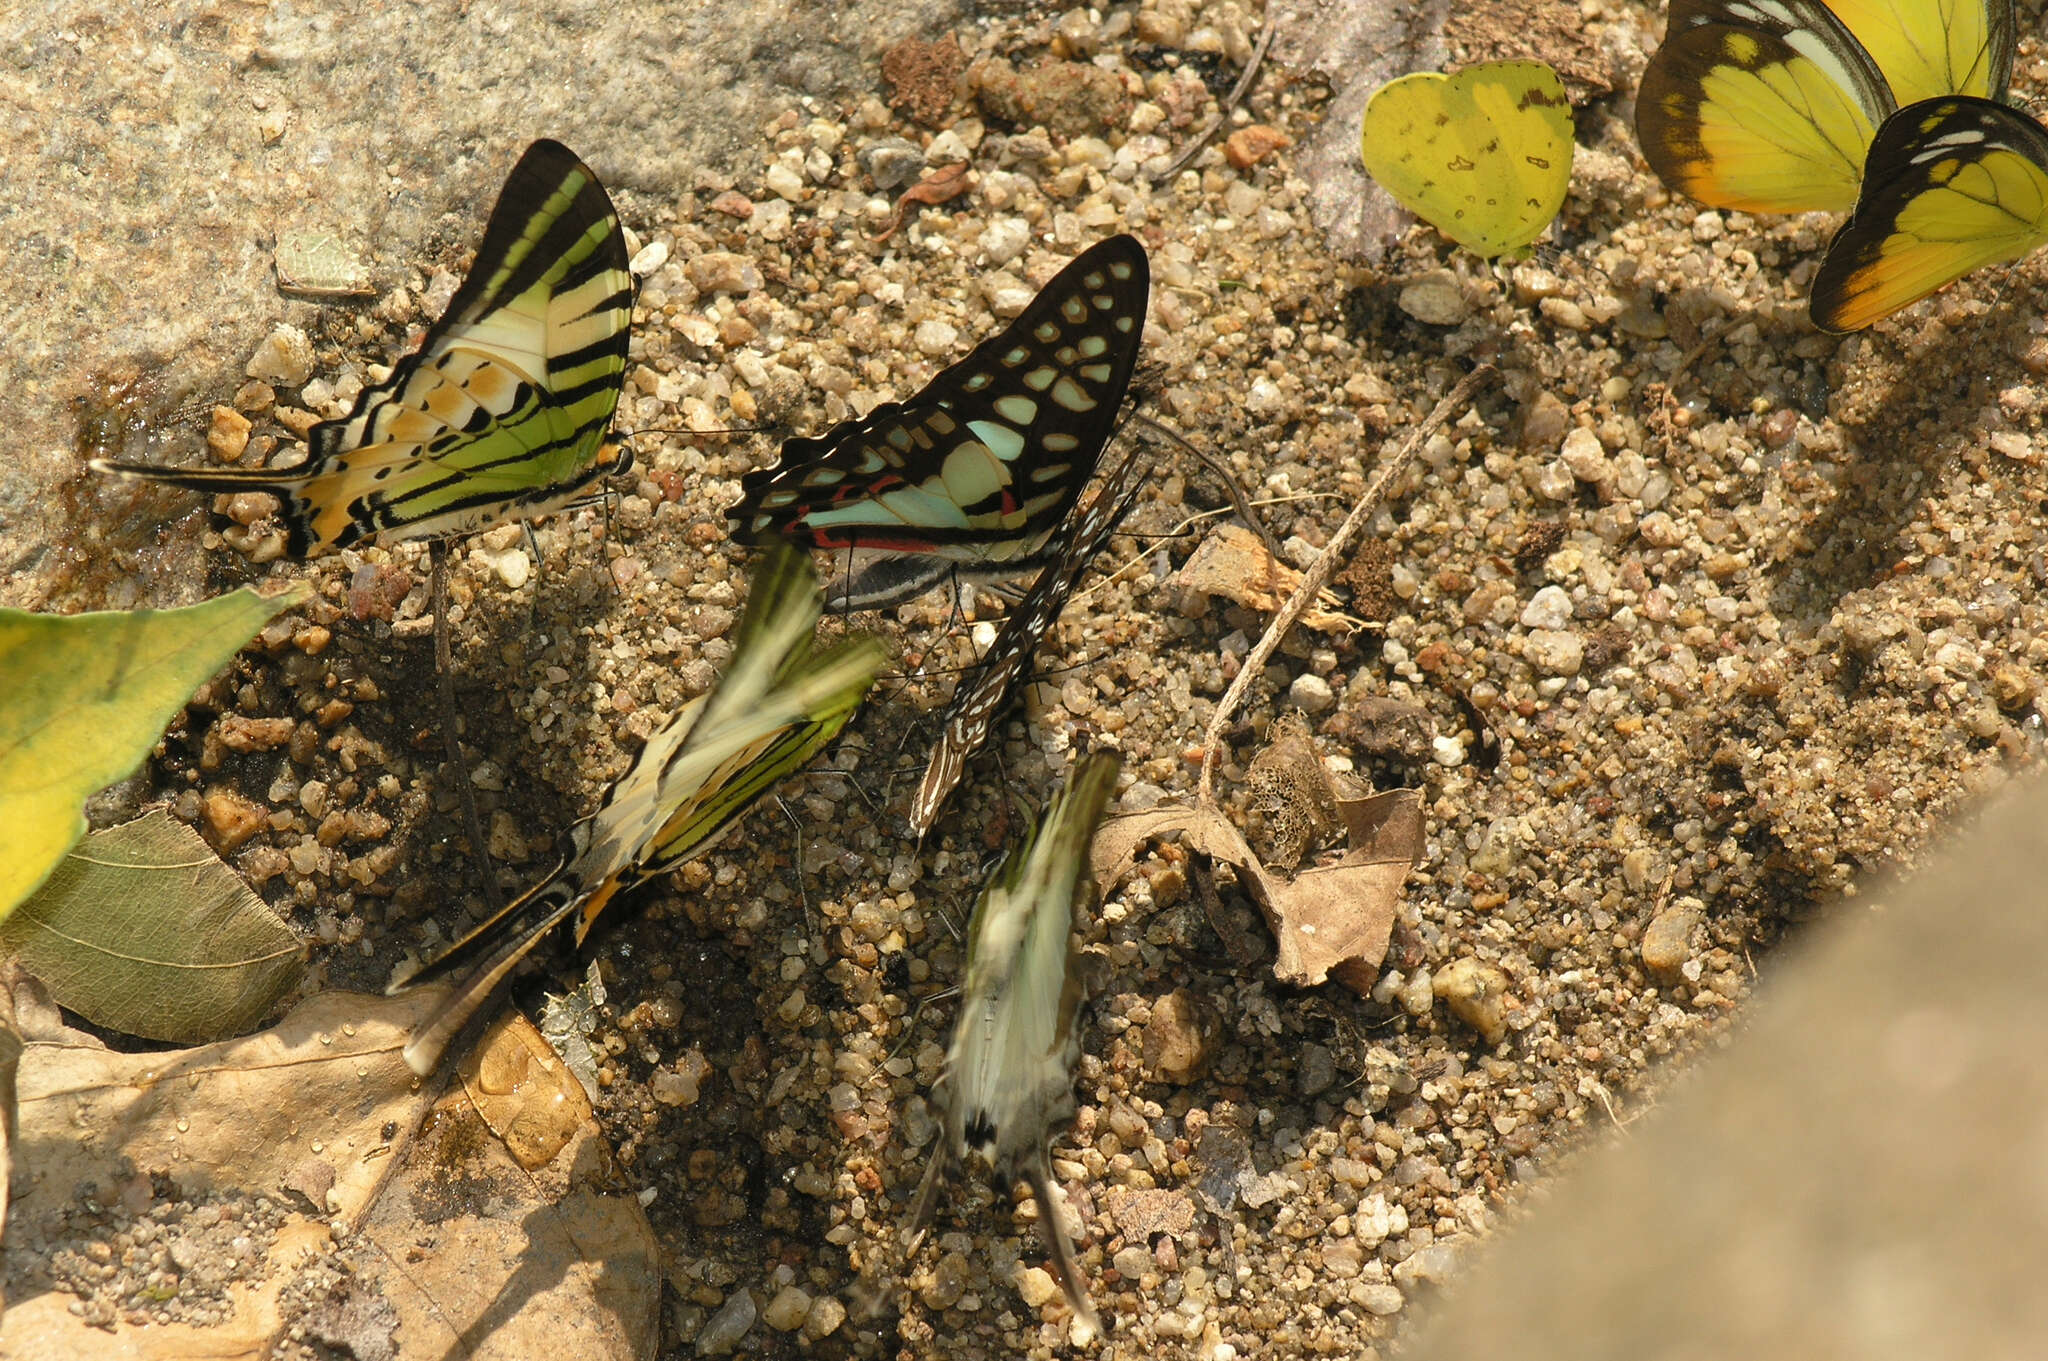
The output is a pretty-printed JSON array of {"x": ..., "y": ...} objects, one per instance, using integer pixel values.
[
  {"x": 803, "y": 894},
  {"x": 437, "y": 554}
]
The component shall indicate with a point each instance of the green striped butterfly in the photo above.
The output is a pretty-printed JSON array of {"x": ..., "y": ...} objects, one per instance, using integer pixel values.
[
  {"x": 781, "y": 700},
  {"x": 979, "y": 468},
  {"x": 985, "y": 692},
  {"x": 1010, "y": 1069},
  {"x": 502, "y": 412}
]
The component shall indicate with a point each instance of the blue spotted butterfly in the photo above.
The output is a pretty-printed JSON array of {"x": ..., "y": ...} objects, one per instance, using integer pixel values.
[{"x": 977, "y": 470}]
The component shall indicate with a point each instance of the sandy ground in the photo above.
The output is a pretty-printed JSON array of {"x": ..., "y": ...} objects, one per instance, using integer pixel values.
[{"x": 1748, "y": 610}]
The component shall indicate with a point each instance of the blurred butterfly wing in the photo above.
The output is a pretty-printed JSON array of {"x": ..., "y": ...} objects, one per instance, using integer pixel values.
[
  {"x": 1760, "y": 105},
  {"x": 983, "y": 463},
  {"x": 502, "y": 411},
  {"x": 832, "y": 685},
  {"x": 1010, "y": 1067},
  {"x": 775, "y": 706},
  {"x": 987, "y": 691},
  {"x": 1954, "y": 184},
  {"x": 1484, "y": 156},
  {"x": 1929, "y": 48}
]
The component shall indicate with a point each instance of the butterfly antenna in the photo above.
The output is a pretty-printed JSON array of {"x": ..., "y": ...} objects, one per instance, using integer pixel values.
[
  {"x": 533, "y": 551},
  {"x": 437, "y": 556},
  {"x": 917, "y": 1006},
  {"x": 1216, "y": 465}
]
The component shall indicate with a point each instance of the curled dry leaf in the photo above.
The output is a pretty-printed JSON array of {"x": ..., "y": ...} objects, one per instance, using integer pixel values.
[
  {"x": 1232, "y": 563},
  {"x": 1327, "y": 920}
]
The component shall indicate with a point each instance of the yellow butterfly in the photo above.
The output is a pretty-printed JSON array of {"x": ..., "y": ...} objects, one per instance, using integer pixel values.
[
  {"x": 1771, "y": 105},
  {"x": 1484, "y": 156},
  {"x": 1951, "y": 185}
]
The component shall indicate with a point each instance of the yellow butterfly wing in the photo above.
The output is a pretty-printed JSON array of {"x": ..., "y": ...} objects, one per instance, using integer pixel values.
[
  {"x": 1484, "y": 156},
  {"x": 1760, "y": 105},
  {"x": 1929, "y": 48},
  {"x": 1954, "y": 184}
]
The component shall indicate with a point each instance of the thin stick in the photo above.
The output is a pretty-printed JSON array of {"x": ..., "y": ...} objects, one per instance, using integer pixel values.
[
  {"x": 1237, "y": 94},
  {"x": 437, "y": 554},
  {"x": 1320, "y": 570}
]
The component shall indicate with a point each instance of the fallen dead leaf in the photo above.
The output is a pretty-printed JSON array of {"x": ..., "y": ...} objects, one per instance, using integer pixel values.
[
  {"x": 1232, "y": 563},
  {"x": 529, "y": 1258},
  {"x": 524, "y": 1262},
  {"x": 1328, "y": 920}
]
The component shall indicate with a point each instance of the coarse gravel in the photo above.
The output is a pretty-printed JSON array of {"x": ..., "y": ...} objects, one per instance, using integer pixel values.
[{"x": 1696, "y": 618}]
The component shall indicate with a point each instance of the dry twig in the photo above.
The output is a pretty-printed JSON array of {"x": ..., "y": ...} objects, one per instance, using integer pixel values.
[{"x": 1319, "y": 572}]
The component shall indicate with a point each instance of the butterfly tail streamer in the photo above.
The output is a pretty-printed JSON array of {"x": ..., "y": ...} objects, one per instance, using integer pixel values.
[
  {"x": 985, "y": 693},
  {"x": 228, "y": 481},
  {"x": 479, "y": 962},
  {"x": 926, "y": 1202},
  {"x": 1052, "y": 1229}
]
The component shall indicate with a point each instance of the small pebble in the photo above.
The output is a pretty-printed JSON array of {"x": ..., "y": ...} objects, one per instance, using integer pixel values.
[
  {"x": 1248, "y": 146},
  {"x": 1667, "y": 940},
  {"x": 1476, "y": 994},
  {"x": 1437, "y": 298},
  {"x": 788, "y": 1310},
  {"x": 722, "y": 1332},
  {"x": 1036, "y": 1287},
  {"x": 1180, "y": 1038},
  {"x": 1311, "y": 693},
  {"x": 283, "y": 359}
]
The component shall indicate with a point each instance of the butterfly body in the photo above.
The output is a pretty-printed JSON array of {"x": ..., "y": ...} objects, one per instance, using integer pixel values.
[
  {"x": 502, "y": 412},
  {"x": 982, "y": 464}
]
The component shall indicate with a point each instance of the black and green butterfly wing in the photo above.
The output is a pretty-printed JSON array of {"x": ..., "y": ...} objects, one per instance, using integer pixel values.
[
  {"x": 982, "y": 464},
  {"x": 502, "y": 412},
  {"x": 1953, "y": 184},
  {"x": 988, "y": 690}
]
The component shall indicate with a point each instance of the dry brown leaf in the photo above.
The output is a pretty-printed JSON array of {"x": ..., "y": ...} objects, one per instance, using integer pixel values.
[
  {"x": 323, "y": 1104},
  {"x": 1231, "y": 562},
  {"x": 527, "y": 1259},
  {"x": 1327, "y": 920},
  {"x": 239, "y": 1116}
]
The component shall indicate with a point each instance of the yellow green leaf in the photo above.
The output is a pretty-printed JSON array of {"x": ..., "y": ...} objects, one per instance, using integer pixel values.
[
  {"x": 87, "y": 697},
  {"x": 143, "y": 929}
]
